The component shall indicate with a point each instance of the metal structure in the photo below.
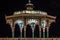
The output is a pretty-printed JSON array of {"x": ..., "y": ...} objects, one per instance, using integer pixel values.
[{"x": 32, "y": 17}]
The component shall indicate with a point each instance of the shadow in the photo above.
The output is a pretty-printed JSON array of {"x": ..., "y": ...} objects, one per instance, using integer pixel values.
[
  {"x": 8, "y": 31},
  {"x": 53, "y": 30},
  {"x": 41, "y": 32},
  {"x": 5, "y": 31},
  {"x": 28, "y": 31},
  {"x": 17, "y": 31},
  {"x": 36, "y": 31},
  {"x": 45, "y": 32},
  {"x": 58, "y": 26}
]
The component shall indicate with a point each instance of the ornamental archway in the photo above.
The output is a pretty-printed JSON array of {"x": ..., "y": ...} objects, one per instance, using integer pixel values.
[
  {"x": 32, "y": 23},
  {"x": 20, "y": 27}
]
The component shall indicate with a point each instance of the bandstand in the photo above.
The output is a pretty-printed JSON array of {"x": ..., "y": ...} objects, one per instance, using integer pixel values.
[{"x": 31, "y": 17}]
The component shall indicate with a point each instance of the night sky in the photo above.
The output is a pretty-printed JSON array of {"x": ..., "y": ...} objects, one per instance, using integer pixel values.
[{"x": 52, "y": 7}]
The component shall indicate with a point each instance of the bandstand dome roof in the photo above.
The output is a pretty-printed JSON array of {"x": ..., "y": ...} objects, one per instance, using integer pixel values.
[{"x": 30, "y": 10}]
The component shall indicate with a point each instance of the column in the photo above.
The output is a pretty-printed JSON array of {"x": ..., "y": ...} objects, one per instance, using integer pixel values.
[
  {"x": 33, "y": 33},
  {"x": 20, "y": 33},
  {"x": 47, "y": 32},
  {"x": 24, "y": 20},
  {"x": 48, "y": 24},
  {"x": 33, "y": 27},
  {"x": 40, "y": 31},
  {"x": 43, "y": 24},
  {"x": 24, "y": 27},
  {"x": 39, "y": 20},
  {"x": 11, "y": 22},
  {"x": 43, "y": 32},
  {"x": 24, "y": 31},
  {"x": 12, "y": 32},
  {"x": 21, "y": 27},
  {"x": 13, "y": 26}
]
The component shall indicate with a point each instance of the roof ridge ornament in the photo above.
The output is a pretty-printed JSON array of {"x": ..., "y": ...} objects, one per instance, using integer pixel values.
[
  {"x": 29, "y": 5},
  {"x": 29, "y": 2}
]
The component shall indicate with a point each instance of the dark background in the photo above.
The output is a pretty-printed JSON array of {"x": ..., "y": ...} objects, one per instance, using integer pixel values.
[{"x": 7, "y": 7}]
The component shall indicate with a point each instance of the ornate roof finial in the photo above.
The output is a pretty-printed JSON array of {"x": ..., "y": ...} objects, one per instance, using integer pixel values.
[
  {"x": 29, "y": 5},
  {"x": 29, "y": 1}
]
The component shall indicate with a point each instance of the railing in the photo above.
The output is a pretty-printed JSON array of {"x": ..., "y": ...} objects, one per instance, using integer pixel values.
[{"x": 29, "y": 39}]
